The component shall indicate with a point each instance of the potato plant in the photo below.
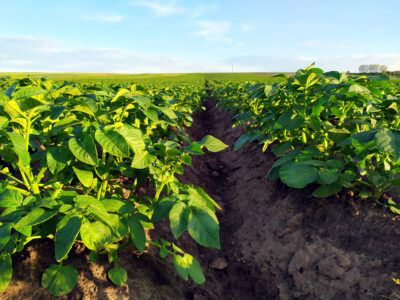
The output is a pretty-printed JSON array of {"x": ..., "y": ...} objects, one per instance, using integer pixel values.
[
  {"x": 329, "y": 130},
  {"x": 75, "y": 160}
]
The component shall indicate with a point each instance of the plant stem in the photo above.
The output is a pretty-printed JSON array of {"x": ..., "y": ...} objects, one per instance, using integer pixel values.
[
  {"x": 159, "y": 190},
  {"x": 13, "y": 178},
  {"x": 23, "y": 192}
]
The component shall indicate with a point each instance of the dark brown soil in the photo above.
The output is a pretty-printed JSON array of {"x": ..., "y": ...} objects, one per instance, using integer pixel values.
[{"x": 277, "y": 243}]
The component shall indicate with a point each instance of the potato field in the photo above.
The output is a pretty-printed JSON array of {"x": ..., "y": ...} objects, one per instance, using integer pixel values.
[{"x": 200, "y": 186}]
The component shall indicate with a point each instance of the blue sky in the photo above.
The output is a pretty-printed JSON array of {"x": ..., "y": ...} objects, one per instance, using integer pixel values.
[{"x": 138, "y": 36}]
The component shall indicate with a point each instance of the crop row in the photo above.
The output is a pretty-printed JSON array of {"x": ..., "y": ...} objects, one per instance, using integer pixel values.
[
  {"x": 330, "y": 131},
  {"x": 98, "y": 164}
]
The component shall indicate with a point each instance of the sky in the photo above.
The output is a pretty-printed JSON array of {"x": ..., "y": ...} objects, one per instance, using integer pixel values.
[{"x": 177, "y": 36}]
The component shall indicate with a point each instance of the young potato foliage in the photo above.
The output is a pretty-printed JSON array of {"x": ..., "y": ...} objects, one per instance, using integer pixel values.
[
  {"x": 74, "y": 160},
  {"x": 330, "y": 131}
]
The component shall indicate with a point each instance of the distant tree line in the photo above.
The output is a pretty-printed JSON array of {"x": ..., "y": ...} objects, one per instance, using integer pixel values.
[{"x": 373, "y": 68}]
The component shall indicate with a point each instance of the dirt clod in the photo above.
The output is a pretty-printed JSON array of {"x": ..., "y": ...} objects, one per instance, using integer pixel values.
[
  {"x": 219, "y": 263},
  {"x": 329, "y": 266}
]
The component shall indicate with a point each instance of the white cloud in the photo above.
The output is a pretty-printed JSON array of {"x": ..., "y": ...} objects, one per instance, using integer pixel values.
[
  {"x": 37, "y": 54},
  {"x": 212, "y": 30},
  {"x": 292, "y": 63},
  {"x": 9, "y": 43},
  {"x": 246, "y": 27},
  {"x": 106, "y": 18},
  {"x": 201, "y": 10},
  {"x": 20, "y": 62},
  {"x": 30, "y": 53},
  {"x": 217, "y": 31},
  {"x": 169, "y": 8},
  {"x": 161, "y": 9}
]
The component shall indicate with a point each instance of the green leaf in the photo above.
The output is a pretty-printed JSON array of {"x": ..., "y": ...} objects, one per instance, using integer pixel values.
[
  {"x": 12, "y": 108},
  {"x": 19, "y": 147},
  {"x": 182, "y": 265},
  {"x": 66, "y": 233},
  {"x": 196, "y": 272},
  {"x": 5, "y": 230},
  {"x": 288, "y": 157},
  {"x": 64, "y": 123},
  {"x": 94, "y": 257},
  {"x": 112, "y": 142},
  {"x": 186, "y": 266},
  {"x": 84, "y": 176},
  {"x": 28, "y": 104},
  {"x": 142, "y": 160},
  {"x": 194, "y": 148},
  {"x": 133, "y": 137},
  {"x": 388, "y": 141},
  {"x": 84, "y": 149},
  {"x": 118, "y": 276},
  {"x": 328, "y": 176},
  {"x": 10, "y": 198},
  {"x": 198, "y": 197},
  {"x": 94, "y": 207},
  {"x": 5, "y": 271},
  {"x": 242, "y": 140},
  {"x": 361, "y": 137},
  {"x": 394, "y": 107},
  {"x": 56, "y": 112},
  {"x": 328, "y": 190},
  {"x": 168, "y": 112},
  {"x": 87, "y": 109},
  {"x": 36, "y": 216},
  {"x": 162, "y": 209},
  {"x": 119, "y": 206},
  {"x": 57, "y": 159},
  {"x": 267, "y": 89},
  {"x": 358, "y": 89},
  {"x": 179, "y": 218},
  {"x": 95, "y": 235},
  {"x": 338, "y": 135},
  {"x": 283, "y": 120},
  {"x": 10, "y": 90},
  {"x": 137, "y": 233},
  {"x": 212, "y": 144},
  {"x": 282, "y": 149},
  {"x": 203, "y": 228},
  {"x": 163, "y": 252},
  {"x": 143, "y": 101},
  {"x": 295, "y": 122},
  {"x": 60, "y": 280},
  {"x": 3, "y": 122},
  {"x": 151, "y": 114},
  {"x": 25, "y": 230},
  {"x": 112, "y": 252},
  {"x": 298, "y": 174},
  {"x": 393, "y": 206},
  {"x": 28, "y": 91},
  {"x": 121, "y": 92}
]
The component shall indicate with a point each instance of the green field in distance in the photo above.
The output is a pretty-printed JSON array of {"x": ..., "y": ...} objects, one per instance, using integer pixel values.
[{"x": 146, "y": 78}]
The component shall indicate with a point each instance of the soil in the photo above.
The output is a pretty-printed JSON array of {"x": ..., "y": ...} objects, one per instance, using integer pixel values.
[{"x": 277, "y": 243}]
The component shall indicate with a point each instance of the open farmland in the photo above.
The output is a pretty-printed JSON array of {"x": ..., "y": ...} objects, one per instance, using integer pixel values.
[
  {"x": 158, "y": 79},
  {"x": 199, "y": 186}
]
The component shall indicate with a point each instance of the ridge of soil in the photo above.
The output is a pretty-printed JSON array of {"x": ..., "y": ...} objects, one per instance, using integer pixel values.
[
  {"x": 281, "y": 243},
  {"x": 277, "y": 243}
]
